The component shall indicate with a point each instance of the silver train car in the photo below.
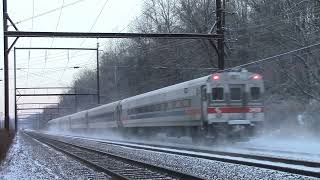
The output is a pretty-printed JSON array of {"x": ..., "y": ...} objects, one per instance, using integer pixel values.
[{"x": 227, "y": 104}]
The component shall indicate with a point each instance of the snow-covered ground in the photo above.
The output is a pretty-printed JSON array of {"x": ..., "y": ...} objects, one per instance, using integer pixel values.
[
  {"x": 209, "y": 169},
  {"x": 30, "y": 159},
  {"x": 294, "y": 144}
]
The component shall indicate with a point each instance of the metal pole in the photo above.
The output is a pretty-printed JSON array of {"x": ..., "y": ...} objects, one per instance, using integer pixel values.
[
  {"x": 38, "y": 119},
  {"x": 220, "y": 31},
  {"x": 38, "y": 124},
  {"x": 6, "y": 67},
  {"x": 98, "y": 75},
  {"x": 15, "y": 90},
  {"x": 75, "y": 99},
  {"x": 58, "y": 110},
  {"x": 116, "y": 80}
]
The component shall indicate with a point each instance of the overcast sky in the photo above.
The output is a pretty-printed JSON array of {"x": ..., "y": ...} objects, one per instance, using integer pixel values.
[{"x": 83, "y": 16}]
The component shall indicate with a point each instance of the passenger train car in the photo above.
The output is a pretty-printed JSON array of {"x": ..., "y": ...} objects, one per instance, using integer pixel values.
[{"x": 227, "y": 104}]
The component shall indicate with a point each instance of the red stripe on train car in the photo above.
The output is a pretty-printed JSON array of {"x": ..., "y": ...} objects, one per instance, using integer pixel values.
[{"x": 234, "y": 109}]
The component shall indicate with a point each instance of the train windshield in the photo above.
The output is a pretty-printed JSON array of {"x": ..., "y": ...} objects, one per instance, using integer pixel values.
[
  {"x": 217, "y": 94},
  {"x": 255, "y": 93},
  {"x": 235, "y": 93}
]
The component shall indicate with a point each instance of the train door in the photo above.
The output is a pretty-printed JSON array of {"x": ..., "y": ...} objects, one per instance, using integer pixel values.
[
  {"x": 87, "y": 121},
  {"x": 237, "y": 99},
  {"x": 204, "y": 106},
  {"x": 118, "y": 116}
]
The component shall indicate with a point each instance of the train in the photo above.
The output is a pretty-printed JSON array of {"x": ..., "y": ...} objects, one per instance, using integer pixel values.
[{"x": 220, "y": 105}]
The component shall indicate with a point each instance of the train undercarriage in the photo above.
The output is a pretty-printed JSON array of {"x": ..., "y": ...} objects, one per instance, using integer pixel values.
[{"x": 221, "y": 132}]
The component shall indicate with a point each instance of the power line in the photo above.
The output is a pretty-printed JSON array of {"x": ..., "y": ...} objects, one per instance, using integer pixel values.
[
  {"x": 281, "y": 22},
  {"x": 159, "y": 48},
  {"x": 96, "y": 20},
  {"x": 94, "y": 23},
  {"x": 58, "y": 21},
  {"x": 55, "y": 58},
  {"x": 264, "y": 20},
  {"x": 39, "y": 75},
  {"x": 48, "y": 12},
  {"x": 30, "y": 41},
  {"x": 271, "y": 58},
  {"x": 45, "y": 62},
  {"x": 281, "y": 26}
]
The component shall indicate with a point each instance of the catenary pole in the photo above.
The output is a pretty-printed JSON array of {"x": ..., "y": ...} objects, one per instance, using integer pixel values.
[
  {"x": 6, "y": 66},
  {"x": 98, "y": 75},
  {"x": 220, "y": 32},
  {"x": 15, "y": 90}
]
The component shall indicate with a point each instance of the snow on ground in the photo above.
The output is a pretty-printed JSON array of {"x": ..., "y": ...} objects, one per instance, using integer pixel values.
[
  {"x": 298, "y": 145},
  {"x": 30, "y": 159},
  {"x": 202, "y": 167},
  {"x": 294, "y": 144}
]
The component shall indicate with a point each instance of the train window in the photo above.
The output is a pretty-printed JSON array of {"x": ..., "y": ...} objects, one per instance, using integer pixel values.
[
  {"x": 155, "y": 107},
  {"x": 173, "y": 104},
  {"x": 235, "y": 93},
  {"x": 203, "y": 93},
  {"x": 170, "y": 105},
  {"x": 163, "y": 106},
  {"x": 158, "y": 107},
  {"x": 152, "y": 108},
  {"x": 255, "y": 93},
  {"x": 186, "y": 103},
  {"x": 217, "y": 93},
  {"x": 179, "y": 104}
]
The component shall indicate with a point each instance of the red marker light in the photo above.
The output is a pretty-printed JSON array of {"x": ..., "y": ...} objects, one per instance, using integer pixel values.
[
  {"x": 256, "y": 77},
  {"x": 215, "y": 77}
]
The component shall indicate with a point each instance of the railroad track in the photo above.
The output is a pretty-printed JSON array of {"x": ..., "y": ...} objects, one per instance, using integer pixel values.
[
  {"x": 286, "y": 152},
  {"x": 295, "y": 166},
  {"x": 301, "y": 167},
  {"x": 113, "y": 165}
]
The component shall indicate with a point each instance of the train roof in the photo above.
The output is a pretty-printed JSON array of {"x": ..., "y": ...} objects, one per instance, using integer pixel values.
[
  {"x": 112, "y": 104},
  {"x": 193, "y": 82}
]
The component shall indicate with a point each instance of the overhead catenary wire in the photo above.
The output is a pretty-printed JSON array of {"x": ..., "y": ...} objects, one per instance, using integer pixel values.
[
  {"x": 48, "y": 12},
  {"x": 50, "y": 59},
  {"x": 277, "y": 18},
  {"x": 58, "y": 21},
  {"x": 91, "y": 28},
  {"x": 279, "y": 26},
  {"x": 29, "y": 53},
  {"x": 272, "y": 58},
  {"x": 62, "y": 83}
]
